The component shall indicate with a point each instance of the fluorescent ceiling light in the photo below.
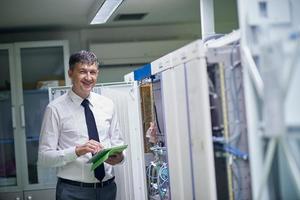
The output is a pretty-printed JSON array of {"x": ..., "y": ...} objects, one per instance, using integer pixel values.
[{"x": 105, "y": 11}]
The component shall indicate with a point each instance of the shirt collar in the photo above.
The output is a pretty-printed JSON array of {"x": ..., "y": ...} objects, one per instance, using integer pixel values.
[
  {"x": 92, "y": 99},
  {"x": 77, "y": 99}
]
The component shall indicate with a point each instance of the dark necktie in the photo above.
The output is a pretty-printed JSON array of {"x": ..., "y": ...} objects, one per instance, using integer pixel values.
[{"x": 93, "y": 134}]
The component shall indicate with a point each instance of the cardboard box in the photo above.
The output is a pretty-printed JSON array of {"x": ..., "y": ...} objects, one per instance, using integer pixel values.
[{"x": 49, "y": 83}]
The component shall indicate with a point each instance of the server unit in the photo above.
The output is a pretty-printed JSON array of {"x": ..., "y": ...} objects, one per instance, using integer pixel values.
[{"x": 194, "y": 96}]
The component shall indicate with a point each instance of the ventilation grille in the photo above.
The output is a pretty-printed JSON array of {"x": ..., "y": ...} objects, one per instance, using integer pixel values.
[{"x": 127, "y": 17}]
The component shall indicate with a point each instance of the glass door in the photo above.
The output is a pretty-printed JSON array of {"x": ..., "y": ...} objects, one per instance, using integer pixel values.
[
  {"x": 8, "y": 169},
  {"x": 42, "y": 65}
]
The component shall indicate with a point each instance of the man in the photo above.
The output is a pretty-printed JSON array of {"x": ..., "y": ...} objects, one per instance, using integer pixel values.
[{"x": 77, "y": 125}]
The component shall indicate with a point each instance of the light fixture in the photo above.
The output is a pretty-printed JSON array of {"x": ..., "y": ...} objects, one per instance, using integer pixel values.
[{"x": 105, "y": 11}]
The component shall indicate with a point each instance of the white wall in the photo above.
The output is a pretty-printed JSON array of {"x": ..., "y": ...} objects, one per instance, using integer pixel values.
[
  {"x": 115, "y": 73},
  {"x": 80, "y": 38}
]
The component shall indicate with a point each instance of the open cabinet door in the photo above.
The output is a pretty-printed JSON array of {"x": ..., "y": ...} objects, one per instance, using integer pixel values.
[{"x": 130, "y": 176}]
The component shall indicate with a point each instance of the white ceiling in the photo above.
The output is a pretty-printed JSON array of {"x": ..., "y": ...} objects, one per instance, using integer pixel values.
[{"x": 64, "y": 14}]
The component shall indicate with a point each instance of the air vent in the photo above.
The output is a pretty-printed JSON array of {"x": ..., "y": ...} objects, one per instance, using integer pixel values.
[{"x": 133, "y": 16}]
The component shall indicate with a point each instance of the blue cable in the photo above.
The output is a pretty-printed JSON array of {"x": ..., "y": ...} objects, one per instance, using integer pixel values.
[{"x": 221, "y": 145}]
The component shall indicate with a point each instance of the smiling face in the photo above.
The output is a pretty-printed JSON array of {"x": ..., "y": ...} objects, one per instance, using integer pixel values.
[{"x": 84, "y": 78}]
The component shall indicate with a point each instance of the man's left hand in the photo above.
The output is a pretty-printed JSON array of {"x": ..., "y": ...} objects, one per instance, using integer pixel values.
[{"x": 115, "y": 159}]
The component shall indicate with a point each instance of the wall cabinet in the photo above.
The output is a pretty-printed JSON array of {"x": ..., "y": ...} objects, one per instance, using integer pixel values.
[{"x": 22, "y": 66}]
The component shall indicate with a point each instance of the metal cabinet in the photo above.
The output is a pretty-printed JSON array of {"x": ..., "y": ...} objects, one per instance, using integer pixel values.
[
  {"x": 11, "y": 196},
  {"x": 29, "y": 195},
  {"x": 40, "y": 194},
  {"x": 24, "y": 67}
]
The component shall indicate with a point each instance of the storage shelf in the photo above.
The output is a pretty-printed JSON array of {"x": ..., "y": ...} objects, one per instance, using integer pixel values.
[
  {"x": 6, "y": 141},
  {"x": 32, "y": 138},
  {"x": 28, "y": 139}
]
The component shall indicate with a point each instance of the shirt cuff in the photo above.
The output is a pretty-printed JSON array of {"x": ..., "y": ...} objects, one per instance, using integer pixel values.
[{"x": 69, "y": 154}]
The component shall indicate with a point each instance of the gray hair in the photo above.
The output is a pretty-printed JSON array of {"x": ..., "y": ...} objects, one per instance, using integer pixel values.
[{"x": 83, "y": 57}]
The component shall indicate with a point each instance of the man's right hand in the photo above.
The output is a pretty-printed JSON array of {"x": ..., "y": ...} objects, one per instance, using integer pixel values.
[{"x": 90, "y": 146}]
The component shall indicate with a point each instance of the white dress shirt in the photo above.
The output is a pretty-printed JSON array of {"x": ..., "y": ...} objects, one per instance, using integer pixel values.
[{"x": 64, "y": 127}]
